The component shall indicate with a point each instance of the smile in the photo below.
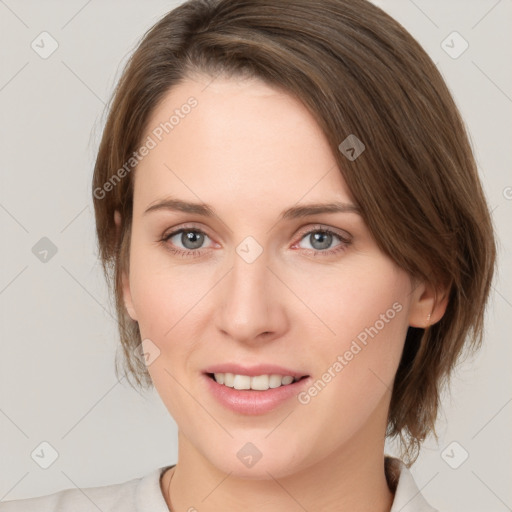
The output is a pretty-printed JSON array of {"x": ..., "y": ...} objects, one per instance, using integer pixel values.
[
  {"x": 256, "y": 383},
  {"x": 256, "y": 397}
]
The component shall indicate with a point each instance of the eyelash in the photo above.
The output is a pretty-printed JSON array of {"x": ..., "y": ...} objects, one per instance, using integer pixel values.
[{"x": 191, "y": 253}]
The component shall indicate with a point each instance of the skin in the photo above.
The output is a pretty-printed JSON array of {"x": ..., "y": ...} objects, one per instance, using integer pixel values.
[{"x": 252, "y": 151}]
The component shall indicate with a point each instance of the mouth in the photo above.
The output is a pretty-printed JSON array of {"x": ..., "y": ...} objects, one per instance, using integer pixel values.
[
  {"x": 262, "y": 382},
  {"x": 253, "y": 390}
]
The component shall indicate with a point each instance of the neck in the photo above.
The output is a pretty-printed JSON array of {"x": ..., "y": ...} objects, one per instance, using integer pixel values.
[{"x": 350, "y": 478}]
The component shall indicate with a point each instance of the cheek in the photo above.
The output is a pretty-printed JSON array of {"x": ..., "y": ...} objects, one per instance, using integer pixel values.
[
  {"x": 170, "y": 302},
  {"x": 356, "y": 368},
  {"x": 165, "y": 296},
  {"x": 363, "y": 294},
  {"x": 167, "y": 301}
]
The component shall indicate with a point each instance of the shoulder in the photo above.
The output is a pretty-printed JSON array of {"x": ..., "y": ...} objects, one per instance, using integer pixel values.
[{"x": 123, "y": 497}]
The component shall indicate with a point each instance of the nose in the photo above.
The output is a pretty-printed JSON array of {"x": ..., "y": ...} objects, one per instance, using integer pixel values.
[{"x": 251, "y": 303}]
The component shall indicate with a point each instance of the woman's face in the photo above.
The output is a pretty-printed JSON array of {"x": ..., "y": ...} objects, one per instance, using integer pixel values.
[{"x": 250, "y": 291}]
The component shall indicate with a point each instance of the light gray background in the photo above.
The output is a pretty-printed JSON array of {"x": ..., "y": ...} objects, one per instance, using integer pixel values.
[{"x": 57, "y": 382}]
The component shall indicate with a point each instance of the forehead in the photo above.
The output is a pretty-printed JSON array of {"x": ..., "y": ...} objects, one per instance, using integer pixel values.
[{"x": 242, "y": 141}]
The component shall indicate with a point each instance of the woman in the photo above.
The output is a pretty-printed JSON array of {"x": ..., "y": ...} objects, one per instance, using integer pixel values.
[{"x": 287, "y": 207}]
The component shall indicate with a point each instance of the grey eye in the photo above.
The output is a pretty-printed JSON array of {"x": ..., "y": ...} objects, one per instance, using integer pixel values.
[
  {"x": 320, "y": 240},
  {"x": 189, "y": 238}
]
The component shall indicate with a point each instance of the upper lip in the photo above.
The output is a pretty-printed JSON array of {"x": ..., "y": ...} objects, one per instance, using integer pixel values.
[{"x": 254, "y": 370}]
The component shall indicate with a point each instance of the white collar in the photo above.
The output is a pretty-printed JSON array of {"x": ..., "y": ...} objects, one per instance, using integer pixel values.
[{"x": 408, "y": 497}]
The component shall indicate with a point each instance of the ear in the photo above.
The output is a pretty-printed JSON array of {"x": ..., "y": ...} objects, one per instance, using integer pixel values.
[
  {"x": 428, "y": 305},
  {"x": 125, "y": 278}
]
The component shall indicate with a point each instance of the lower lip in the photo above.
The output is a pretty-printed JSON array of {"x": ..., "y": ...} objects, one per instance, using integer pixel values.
[{"x": 253, "y": 402}]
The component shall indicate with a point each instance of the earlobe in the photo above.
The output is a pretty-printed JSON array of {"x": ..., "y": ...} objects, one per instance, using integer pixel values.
[
  {"x": 428, "y": 305},
  {"x": 127, "y": 297},
  {"x": 117, "y": 221},
  {"x": 125, "y": 280}
]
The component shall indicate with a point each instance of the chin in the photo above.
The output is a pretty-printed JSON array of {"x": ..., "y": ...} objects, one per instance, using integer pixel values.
[{"x": 258, "y": 460}]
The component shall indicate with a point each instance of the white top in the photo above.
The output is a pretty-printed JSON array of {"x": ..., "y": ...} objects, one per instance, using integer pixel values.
[{"x": 145, "y": 495}]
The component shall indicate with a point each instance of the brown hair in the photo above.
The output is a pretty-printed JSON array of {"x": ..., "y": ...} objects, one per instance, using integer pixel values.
[{"x": 358, "y": 71}]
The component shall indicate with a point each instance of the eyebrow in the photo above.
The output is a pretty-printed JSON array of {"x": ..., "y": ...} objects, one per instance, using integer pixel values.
[{"x": 295, "y": 212}]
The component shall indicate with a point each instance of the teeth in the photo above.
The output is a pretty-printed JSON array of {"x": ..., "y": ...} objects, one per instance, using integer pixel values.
[
  {"x": 259, "y": 382},
  {"x": 242, "y": 382}
]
